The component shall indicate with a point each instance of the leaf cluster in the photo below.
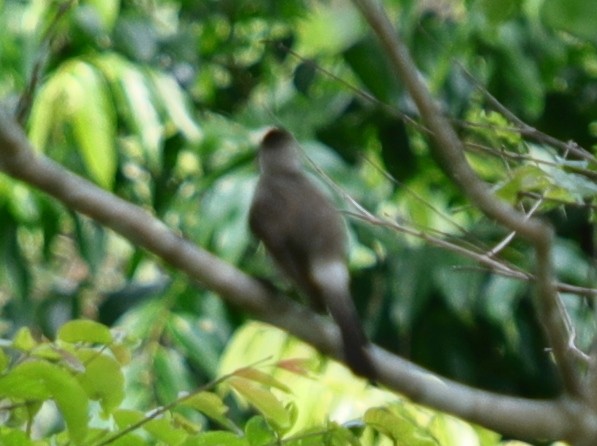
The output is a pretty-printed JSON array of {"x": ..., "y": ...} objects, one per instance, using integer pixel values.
[{"x": 162, "y": 102}]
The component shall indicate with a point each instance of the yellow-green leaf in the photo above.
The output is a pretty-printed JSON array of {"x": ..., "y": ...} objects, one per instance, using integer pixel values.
[
  {"x": 42, "y": 380},
  {"x": 107, "y": 10},
  {"x": 23, "y": 340},
  {"x": 266, "y": 379},
  {"x": 83, "y": 330},
  {"x": 216, "y": 438},
  {"x": 398, "y": 428},
  {"x": 3, "y": 361},
  {"x": 127, "y": 417},
  {"x": 263, "y": 400},
  {"x": 163, "y": 430},
  {"x": 102, "y": 379},
  {"x": 211, "y": 405},
  {"x": 94, "y": 124}
]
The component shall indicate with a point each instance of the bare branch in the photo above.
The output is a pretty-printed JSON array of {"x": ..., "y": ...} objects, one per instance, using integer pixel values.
[
  {"x": 450, "y": 153},
  {"x": 527, "y": 130},
  {"x": 487, "y": 259},
  {"x": 520, "y": 417},
  {"x": 392, "y": 111}
]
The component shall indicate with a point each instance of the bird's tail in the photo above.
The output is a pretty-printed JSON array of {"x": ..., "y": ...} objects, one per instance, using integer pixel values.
[
  {"x": 332, "y": 281},
  {"x": 355, "y": 342}
]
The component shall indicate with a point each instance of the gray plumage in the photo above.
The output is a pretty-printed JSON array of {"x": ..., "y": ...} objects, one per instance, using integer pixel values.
[{"x": 306, "y": 236}]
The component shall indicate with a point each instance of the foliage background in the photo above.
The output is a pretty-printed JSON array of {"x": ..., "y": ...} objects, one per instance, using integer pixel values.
[{"x": 162, "y": 102}]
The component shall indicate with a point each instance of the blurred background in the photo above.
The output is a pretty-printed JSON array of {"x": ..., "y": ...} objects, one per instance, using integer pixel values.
[{"x": 161, "y": 102}]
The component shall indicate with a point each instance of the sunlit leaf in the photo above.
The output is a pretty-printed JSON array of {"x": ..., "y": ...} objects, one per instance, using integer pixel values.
[
  {"x": 172, "y": 374},
  {"x": 94, "y": 123},
  {"x": 132, "y": 89},
  {"x": 102, "y": 379},
  {"x": 212, "y": 406},
  {"x": 524, "y": 179},
  {"x": 42, "y": 380},
  {"x": 298, "y": 366},
  {"x": 142, "y": 112},
  {"x": 163, "y": 430},
  {"x": 173, "y": 100},
  {"x": 216, "y": 438},
  {"x": 259, "y": 433},
  {"x": 200, "y": 345},
  {"x": 399, "y": 429},
  {"x": 258, "y": 376},
  {"x": 84, "y": 330},
  {"x": 108, "y": 11},
  {"x": 77, "y": 96},
  {"x": 329, "y": 27},
  {"x": 4, "y": 361},
  {"x": 14, "y": 437},
  {"x": 263, "y": 400},
  {"x": 127, "y": 417},
  {"x": 450, "y": 431},
  {"x": 23, "y": 340}
]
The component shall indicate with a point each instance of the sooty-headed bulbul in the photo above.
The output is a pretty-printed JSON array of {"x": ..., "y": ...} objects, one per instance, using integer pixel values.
[{"x": 306, "y": 236}]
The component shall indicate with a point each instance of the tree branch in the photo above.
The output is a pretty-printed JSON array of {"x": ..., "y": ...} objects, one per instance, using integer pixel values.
[
  {"x": 558, "y": 419},
  {"x": 449, "y": 151}
]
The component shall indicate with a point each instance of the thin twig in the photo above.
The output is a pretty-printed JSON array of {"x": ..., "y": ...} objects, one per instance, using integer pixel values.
[
  {"x": 515, "y": 416},
  {"x": 163, "y": 409},
  {"x": 392, "y": 111},
  {"x": 450, "y": 152},
  {"x": 527, "y": 130},
  {"x": 501, "y": 245},
  {"x": 26, "y": 99}
]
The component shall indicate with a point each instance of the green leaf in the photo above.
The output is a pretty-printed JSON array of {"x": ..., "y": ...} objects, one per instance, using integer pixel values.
[
  {"x": 129, "y": 440},
  {"x": 575, "y": 16},
  {"x": 523, "y": 179},
  {"x": 459, "y": 283},
  {"x": 329, "y": 28},
  {"x": 173, "y": 99},
  {"x": 172, "y": 374},
  {"x": 138, "y": 105},
  {"x": 14, "y": 437},
  {"x": 107, "y": 10},
  {"x": 45, "y": 115},
  {"x": 500, "y": 11},
  {"x": 263, "y": 400},
  {"x": 402, "y": 431},
  {"x": 127, "y": 417},
  {"x": 94, "y": 123},
  {"x": 450, "y": 431},
  {"x": 163, "y": 430},
  {"x": 304, "y": 74},
  {"x": 23, "y": 340},
  {"x": 27, "y": 385},
  {"x": 260, "y": 377},
  {"x": 41, "y": 380},
  {"x": 78, "y": 97},
  {"x": 102, "y": 379},
  {"x": 212, "y": 406},
  {"x": 200, "y": 345},
  {"x": 259, "y": 433},
  {"x": 84, "y": 330},
  {"x": 499, "y": 298},
  {"x": 216, "y": 438},
  {"x": 341, "y": 436},
  {"x": 225, "y": 225},
  {"x": 4, "y": 361},
  {"x": 381, "y": 82}
]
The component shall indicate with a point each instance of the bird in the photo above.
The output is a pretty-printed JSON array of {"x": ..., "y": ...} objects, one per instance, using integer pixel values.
[{"x": 306, "y": 237}]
